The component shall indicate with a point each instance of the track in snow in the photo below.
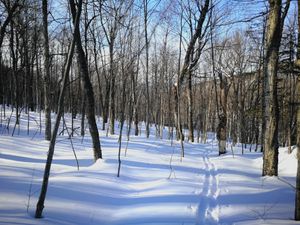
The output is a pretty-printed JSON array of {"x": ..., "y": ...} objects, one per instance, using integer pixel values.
[{"x": 208, "y": 209}]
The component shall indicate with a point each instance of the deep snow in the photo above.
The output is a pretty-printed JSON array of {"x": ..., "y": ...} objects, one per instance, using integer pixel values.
[{"x": 155, "y": 186}]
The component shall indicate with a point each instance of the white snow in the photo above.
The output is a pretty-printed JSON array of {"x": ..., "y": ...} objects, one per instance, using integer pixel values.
[{"x": 155, "y": 186}]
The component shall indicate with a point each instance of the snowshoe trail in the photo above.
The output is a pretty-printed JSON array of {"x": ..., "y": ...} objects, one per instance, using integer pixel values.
[{"x": 208, "y": 212}]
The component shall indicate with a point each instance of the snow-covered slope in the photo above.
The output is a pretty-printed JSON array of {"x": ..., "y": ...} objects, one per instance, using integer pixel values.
[{"x": 155, "y": 186}]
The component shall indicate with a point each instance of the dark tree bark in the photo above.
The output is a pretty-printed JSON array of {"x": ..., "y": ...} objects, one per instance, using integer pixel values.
[
  {"x": 11, "y": 10},
  {"x": 177, "y": 119},
  {"x": 83, "y": 103},
  {"x": 122, "y": 118},
  {"x": 191, "y": 59},
  {"x": 112, "y": 110},
  {"x": 190, "y": 108},
  {"x": 40, "y": 203},
  {"x": 273, "y": 35},
  {"x": 46, "y": 72},
  {"x": 222, "y": 114},
  {"x": 106, "y": 104},
  {"x": 297, "y": 200},
  {"x": 88, "y": 88},
  {"x": 145, "y": 4},
  {"x": 14, "y": 49},
  {"x": 97, "y": 71},
  {"x": 135, "y": 100},
  {"x": 177, "y": 116},
  {"x": 110, "y": 28},
  {"x": 262, "y": 77}
]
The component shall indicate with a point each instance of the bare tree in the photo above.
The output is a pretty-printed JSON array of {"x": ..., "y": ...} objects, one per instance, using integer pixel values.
[
  {"x": 40, "y": 203},
  {"x": 88, "y": 88},
  {"x": 297, "y": 200},
  {"x": 11, "y": 8},
  {"x": 273, "y": 35},
  {"x": 193, "y": 53},
  {"x": 222, "y": 112},
  {"x": 46, "y": 72},
  {"x": 145, "y": 7}
]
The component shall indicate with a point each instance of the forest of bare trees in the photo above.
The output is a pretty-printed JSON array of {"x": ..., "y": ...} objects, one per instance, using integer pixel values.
[{"x": 190, "y": 67}]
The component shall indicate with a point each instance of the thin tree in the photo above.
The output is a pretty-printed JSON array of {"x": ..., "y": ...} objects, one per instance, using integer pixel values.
[
  {"x": 176, "y": 88},
  {"x": 192, "y": 56},
  {"x": 110, "y": 28},
  {"x": 11, "y": 8},
  {"x": 88, "y": 88},
  {"x": 297, "y": 200},
  {"x": 40, "y": 203},
  {"x": 262, "y": 70},
  {"x": 14, "y": 45},
  {"x": 46, "y": 71},
  {"x": 145, "y": 7}
]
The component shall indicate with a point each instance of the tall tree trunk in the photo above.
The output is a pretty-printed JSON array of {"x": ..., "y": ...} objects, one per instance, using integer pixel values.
[
  {"x": 83, "y": 103},
  {"x": 40, "y": 203},
  {"x": 273, "y": 35},
  {"x": 145, "y": 2},
  {"x": 177, "y": 113},
  {"x": 98, "y": 73},
  {"x": 122, "y": 116},
  {"x": 262, "y": 63},
  {"x": 297, "y": 200},
  {"x": 89, "y": 93},
  {"x": 112, "y": 87},
  {"x": 11, "y": 10},
  {"x": 135, "y": 95},
  {"x": 179, "y": 134},
  {"x": 190, "y": 108},
  {"x": 222, "y": 126},
  {"x": 14, "y": 41},
  {"x": 106, "y": 104},
  {"x": 46, "y": 71},
  {"x": 191, "y": 59}
]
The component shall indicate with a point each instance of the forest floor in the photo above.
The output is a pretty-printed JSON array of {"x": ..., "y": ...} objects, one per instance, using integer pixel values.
[{"x": 156, "y": 186}]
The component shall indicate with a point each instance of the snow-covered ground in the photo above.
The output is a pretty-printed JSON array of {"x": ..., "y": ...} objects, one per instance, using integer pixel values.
[{"x": 155, "y": 186}]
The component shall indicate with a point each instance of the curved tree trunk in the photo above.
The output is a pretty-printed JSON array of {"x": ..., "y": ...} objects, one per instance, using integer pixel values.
[
  {"x": 40, "y": 203},
  {"x": 88, "y": 88}
]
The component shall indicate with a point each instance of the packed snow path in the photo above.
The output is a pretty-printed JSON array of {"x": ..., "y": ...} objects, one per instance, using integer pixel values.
[
  {"x": 208, "y": 209},
  {"x": 155, "y": 187}
]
